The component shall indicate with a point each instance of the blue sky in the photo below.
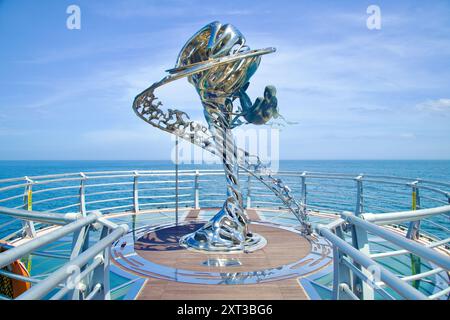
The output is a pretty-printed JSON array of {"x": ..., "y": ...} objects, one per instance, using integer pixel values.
[{"x": 355, "y": 93}]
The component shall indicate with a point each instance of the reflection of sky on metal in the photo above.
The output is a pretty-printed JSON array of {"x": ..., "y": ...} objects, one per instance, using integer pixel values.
[
  {"x": 355, "y": 93},
  {"x": 124, "y": 255}
]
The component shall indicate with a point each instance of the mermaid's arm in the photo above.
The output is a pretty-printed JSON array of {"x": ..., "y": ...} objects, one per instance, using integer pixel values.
[{"x": 244, "y": 99}]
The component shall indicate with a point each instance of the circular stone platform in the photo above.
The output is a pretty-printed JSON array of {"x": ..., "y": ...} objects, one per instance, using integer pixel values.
[{"x": 155, "y": 252}]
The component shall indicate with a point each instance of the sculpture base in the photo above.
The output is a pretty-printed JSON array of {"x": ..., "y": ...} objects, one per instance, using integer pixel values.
[{"x": 252, "y": 243}]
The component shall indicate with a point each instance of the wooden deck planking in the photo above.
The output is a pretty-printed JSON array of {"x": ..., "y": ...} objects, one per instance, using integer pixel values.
[{"x": 283, "y": 247}]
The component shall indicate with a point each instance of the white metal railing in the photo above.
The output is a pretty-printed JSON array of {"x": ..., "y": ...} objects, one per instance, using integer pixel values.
[
  {"x": 356, "y": 273},
  {"x": 86, "y": 274},
  {"x": 418, "y": 206}
]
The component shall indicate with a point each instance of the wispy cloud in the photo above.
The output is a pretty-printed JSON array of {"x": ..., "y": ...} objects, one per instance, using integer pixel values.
[{"x": 441, "y": 106}]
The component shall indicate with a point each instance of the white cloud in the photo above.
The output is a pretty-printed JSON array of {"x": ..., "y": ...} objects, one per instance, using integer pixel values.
[{"x": 438, "y": 105}]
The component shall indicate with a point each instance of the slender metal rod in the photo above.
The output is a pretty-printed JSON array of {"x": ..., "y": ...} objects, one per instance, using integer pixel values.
[
  {"x": 43, "y": 217},
  {"x": 176, "y": 181},
  {"x": 42, "y": 288},
  {"x": 410, "y": 245},
  {"x": 15, "y": 253},
  {"x": 404, "y": 216},
  {"x": 388, "y": 277}
]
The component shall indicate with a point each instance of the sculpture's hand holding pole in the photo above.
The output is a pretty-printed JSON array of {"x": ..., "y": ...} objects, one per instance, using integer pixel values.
[
  {"x": 219, "y": 65},
  {"x": 228, "y": 229}
]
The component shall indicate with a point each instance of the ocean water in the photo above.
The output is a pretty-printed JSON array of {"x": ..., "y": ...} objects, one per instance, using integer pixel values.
[
  {"x": 425, "y": 169},
  {"x": 323, "y": 194}
]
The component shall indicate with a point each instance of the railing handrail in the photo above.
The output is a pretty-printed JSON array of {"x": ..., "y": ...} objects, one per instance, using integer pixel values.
[
  {"x": 404, "y": 243},
  {"x": 17, "y": 252},
  {"x": 42, "y": 288},
  {"x": 387, "y": 277},
  {"x": 39, "y": 216},
  {"x": 127, "y": 173},
  {"x": 404, "y": 216},
  {"x": 368, "y": 222}
]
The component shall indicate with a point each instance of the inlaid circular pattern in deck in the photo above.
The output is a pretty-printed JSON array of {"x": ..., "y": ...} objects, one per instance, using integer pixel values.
[{"x": 157, "y": 254}]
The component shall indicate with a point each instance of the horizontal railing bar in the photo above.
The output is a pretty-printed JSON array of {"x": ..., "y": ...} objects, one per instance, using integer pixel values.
[
  {"x": 402, "y": 242},
  {"x": 212, "y": 195},
  {"x": 321, "y": 209},
  {"x": 400, "y": 252},
  {"x": 15, "y": 186},
  {"x": 14, "y": 276},
  {"x": 15, "y": 253},
  {"x": 56, "y": 189},
  {"x": 94, "y": 291},
  {"x": 164, "y": 188},
  {"x": 364, "y": 278},
  {"x": 325, "y": 192},
  {"x": 168, "y": 202},
  {"x": 64, "y": 207},
  {"x": 433, "y": 199},
  {"x": 115, "y": 207},
  {"x": 396, "y": 183},
  {"x": 404, "y": 216},
  {"x": 63, "y": 291},
  {"x": 165, "y": 181},
  {"x": 169, "y": 196},
  {"x": 374, "y": 189},
  {"x": 441, "y": 183},
  {"x": 12, "y": 198},
  {"x": 422, "y": 275},
  {"x": 445, "y": 193},
  {"x": 55, "y": 198},
  {"x": 386, "y": 276},
  {"x": 437, "y": 225},
  {"x": 125, "y": 183},
  {"x": 44, "y": 217},
  {"x": 87, "y": 194},
  {"x": 344, "y": 287},
  {"x": 440, "y": 293},
  {"x": 123, "y": 285},
  {"x": 12, "y": 235},
  {"x": 371, "y": 206},
  {"x": 395, "y": 202},
  {"x": 8, "y": 223},
  {"x": 43, "y": 287},
  {"x": 108, "y": 200}
]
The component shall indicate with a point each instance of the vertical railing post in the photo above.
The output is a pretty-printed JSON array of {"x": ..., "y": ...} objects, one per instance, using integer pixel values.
[
  {"x": 82, "y": 194},
  {"x": 414, "y": 226},
  {"x": 249, "y": 191},
  {"x": 359, "y": 195},
  {"x": 80, "y": 243},
  {"x": 176, "y": 181},
  {"x": 341, "y": 272},
  {"x": 303, "y": 196},
  {"x": 136, "y": 192},
  {"x": 413, "y": 232},
  {"x": 101, "y": 273},
  {"x": 197, "y": 190},
  {"x": 28, "y": 226},
  {"x": 360, "y": 241}
]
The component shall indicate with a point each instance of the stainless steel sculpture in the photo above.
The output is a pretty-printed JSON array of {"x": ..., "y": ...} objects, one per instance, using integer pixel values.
[{"x": 219, "y": 64}]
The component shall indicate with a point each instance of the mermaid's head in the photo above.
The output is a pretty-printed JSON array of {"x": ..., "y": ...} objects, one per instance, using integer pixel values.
[{"x": 270, "y": 92}]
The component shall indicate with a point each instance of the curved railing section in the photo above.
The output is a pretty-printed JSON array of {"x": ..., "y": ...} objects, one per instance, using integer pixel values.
[
  {"x": 365, "y": 207},
  {"x": 135, "y": 191}
]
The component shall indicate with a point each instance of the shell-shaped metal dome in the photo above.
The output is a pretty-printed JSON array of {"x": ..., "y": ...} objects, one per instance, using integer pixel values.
[{"x": 217, "y": 40}]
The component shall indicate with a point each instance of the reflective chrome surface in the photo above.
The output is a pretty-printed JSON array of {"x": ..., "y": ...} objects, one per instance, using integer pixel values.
[
  {"x": 219, "y": 64},
  {"x": 123, "y": 252}
]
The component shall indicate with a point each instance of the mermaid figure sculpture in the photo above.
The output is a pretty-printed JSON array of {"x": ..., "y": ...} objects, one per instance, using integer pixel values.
[{"x": 218, "y": 87}]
